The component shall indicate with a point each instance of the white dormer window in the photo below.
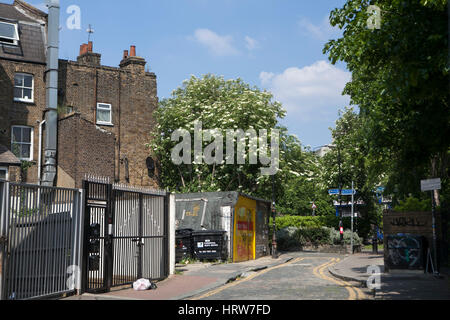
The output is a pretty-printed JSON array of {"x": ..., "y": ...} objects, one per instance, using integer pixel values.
[
  {"x": 9, "y": 33},
  {"x": 104, "y": 114}
]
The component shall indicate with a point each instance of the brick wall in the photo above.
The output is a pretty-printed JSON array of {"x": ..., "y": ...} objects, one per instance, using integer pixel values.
[
  {"x": 132, "y": 93},
  {"x": 412, "y": 223},
  {"x": 17, "y": 113},
  {"x": 84, "y": 149}
]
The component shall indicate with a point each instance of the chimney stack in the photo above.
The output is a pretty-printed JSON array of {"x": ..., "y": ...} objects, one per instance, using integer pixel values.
[
  {"x": 131, "y": 62},
  {"x": 87, "y": 56}
]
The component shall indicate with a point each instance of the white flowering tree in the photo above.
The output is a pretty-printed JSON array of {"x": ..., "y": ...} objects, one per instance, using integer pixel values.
[{"x": 224, "y": 105}]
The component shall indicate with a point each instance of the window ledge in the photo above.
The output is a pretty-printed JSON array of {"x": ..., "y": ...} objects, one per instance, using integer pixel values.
[
  {"x": 24, "y": 101},
  {"x": 105, "y": 124}
]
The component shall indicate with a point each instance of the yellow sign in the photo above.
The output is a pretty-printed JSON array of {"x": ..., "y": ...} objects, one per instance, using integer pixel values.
[{"x": 244, "y": 247}]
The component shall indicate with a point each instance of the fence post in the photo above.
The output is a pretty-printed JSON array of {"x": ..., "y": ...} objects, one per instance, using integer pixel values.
[
  {"x": 171, "y": 235},
  {"x": 4, "y": 204},
  {"x": 78, "y": 231},
  {"x": 2, "y": 236}
]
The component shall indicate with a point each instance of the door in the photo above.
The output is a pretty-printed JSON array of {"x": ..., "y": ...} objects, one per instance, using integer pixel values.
[{"x": 244, "y": 230}]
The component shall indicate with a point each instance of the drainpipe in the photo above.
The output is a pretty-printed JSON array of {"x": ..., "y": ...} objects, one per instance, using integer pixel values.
[
  {"x": 51, "y": 116},
  {"x": 41, "y": 124}
]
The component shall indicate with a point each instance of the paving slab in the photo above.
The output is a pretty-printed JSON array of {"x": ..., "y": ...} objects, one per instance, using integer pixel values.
[
  {"x": 192, "y": 280},
  {"x": 399, "y": 285}
]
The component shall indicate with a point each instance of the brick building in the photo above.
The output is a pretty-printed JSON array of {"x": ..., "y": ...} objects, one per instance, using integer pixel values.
[{"x": 105, "y": 113}]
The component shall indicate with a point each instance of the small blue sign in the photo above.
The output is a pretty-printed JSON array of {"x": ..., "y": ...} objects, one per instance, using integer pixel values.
[
  {"x": 348, "y": 192},
  {"x": 333, "y": 192}
]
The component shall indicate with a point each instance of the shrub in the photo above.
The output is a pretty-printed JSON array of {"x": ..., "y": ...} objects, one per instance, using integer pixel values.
[
  {"x": 313, "y": 236},
  {"x": 412, "y": 204},
  {"x": 286, "y": 239}
]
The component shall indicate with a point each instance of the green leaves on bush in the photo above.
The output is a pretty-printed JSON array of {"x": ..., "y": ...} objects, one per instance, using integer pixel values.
[{"x": 292, "y": 238}]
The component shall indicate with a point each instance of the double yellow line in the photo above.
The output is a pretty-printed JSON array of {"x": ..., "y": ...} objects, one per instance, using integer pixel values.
[
  {"x": 232, "y": 284},
  {"x": 354, "y": 293}
]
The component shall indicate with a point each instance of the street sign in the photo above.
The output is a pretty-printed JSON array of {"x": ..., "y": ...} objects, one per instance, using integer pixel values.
[
  {"x": 345, "y": 192},
  {"x": 431, "y": 185},
  {"x": 333, "y": 192},
  {"x": 348, "y": 192}
]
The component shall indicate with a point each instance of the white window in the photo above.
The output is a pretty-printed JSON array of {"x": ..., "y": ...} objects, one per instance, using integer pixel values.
[
  {"x": 104, "y": 114},
  {"x": 23, "y": 87},
  {"x": 22, "y": 142},
  {"x": 9, "y": 33},
  {"x": 4, "y": 173}
]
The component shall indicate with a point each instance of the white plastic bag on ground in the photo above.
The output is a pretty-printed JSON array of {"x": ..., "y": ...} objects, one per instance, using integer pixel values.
[{"x": 142, "y": 285}]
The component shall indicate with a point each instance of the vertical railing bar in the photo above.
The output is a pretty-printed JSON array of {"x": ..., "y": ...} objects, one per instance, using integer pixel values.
[
  {"x": 39, "y": 233},
  {"x": 28, "y": 230},
  {"x": 33, "y": 241},
  {"x": 16, "y": 238}
]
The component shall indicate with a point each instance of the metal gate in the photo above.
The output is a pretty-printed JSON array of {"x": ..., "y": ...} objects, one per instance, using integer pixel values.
[
  {"x": 39, "y": 240},
  {"x": 125, "y": 236}
]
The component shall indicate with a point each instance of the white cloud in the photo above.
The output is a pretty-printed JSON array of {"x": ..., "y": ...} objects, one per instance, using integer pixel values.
[
  {"x": 311, "y": 93},
  {"x": 251, "y": 43},
  {"x": 216, "y": 44},
  {"x": 322, "y": 31}
]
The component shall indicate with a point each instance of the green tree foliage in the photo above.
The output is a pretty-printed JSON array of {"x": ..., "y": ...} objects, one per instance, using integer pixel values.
[
  {"x": 412, "y": 204},
  {"x": 400, "y": 81},
  {"x": 232, "y": 104},
  {"x": 224, "y": 105},
  {"x": 350, "y": 153}
]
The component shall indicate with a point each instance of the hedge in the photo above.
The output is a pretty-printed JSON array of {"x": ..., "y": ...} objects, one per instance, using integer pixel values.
[
  {"x": 292, "y": 238},
  {"x": 305, "y": 222}
]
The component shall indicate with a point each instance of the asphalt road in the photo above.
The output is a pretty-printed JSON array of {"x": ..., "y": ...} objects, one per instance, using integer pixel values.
[{"x": 303, "y": 278}]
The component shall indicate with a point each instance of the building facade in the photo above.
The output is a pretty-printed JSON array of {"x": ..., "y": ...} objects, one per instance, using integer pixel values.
[
  {"x": 22, "y": 85},
  {"x": 114, "y": 104}
]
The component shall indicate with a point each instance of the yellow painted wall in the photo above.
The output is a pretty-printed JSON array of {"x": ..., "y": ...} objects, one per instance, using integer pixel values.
[{"x": 244, "y": 242}]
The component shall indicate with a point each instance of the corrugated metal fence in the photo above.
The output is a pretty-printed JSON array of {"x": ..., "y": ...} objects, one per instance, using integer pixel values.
[{"x": 41, "y": 232}]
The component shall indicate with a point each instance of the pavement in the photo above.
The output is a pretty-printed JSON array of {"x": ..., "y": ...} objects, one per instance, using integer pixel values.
[
  {"x": 395, "y": 285},
  {"x": 192, "y": 280}
]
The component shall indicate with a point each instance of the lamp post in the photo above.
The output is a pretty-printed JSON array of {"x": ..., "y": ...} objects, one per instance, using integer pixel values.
[
  {"x": 341, "y": 224},
  {"x": 274, "y": 215}
]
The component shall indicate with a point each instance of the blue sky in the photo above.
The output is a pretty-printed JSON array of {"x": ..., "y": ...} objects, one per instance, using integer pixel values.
[{"x": 272, "y": 44}]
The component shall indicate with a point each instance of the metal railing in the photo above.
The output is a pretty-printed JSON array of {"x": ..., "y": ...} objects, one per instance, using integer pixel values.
[
  {"x": 42, "y": 232},
  {"x": 131, "y": 240}
]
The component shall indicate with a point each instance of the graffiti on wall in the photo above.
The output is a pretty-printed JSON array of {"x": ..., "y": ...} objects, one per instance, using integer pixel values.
[
  {"x": 408, "y": 222},
  {"x": 244, "y": 230},
  {"x": 405, "y": 252}
]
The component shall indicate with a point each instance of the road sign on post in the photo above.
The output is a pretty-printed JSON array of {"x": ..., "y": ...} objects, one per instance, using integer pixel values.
[
  {"x": 344, "y": 192},
  {"x": 433, "y": 185},
  {"x": 333, "y": 192},
  {"x": 348, "y": 192}
]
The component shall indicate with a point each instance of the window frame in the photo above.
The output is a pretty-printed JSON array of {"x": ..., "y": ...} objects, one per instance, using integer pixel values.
[
  {"x": 31, "y": 144},
  {"x": 23, "y": 87},
  {"x": 104, "y": 123},
  {"x": 15, "y": 40},
  {"x": 7, "y": 172}
]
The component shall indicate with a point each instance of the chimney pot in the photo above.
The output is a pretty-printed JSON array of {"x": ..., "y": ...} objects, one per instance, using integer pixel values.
[
  {"x": 84, "y": 49},
  {"x": 133, "y": 51},
  {"x": 125, "y": 54},
  {"x": 90, "y": 46}
]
